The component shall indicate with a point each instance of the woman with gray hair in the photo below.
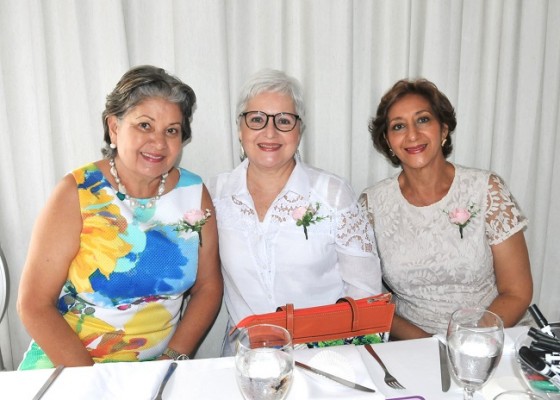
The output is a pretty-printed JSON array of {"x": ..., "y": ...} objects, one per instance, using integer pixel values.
[
  {"x": 122, "y": 239},
  {"x": 288, "y": 232}
]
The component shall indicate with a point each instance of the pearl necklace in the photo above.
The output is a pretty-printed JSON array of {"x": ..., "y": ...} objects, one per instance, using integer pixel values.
[{"x": 135, "y": 203}]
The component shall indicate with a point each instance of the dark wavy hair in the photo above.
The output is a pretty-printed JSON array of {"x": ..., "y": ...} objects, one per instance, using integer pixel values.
[
  {"x": 441, "y": 107},
  {"x": 143, "y": 82}
]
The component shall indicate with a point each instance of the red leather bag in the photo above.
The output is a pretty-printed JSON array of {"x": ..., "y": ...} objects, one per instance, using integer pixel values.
[{"x": 346, "y": 318}]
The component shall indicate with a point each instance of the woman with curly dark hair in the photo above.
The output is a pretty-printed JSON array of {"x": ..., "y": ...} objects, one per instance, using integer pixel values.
[{"x": 448, "y": 236}]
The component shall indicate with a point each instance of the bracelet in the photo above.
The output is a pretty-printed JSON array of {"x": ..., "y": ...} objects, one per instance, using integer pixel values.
[{"x": 175, "y": 355}]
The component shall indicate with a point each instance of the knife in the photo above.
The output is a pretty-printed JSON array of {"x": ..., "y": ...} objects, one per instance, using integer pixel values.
[
  {"x": 335, "y": 378},
  {"x": 170, "y": 370},
  {"x": 49, "y": 382},
  {"x": 443, "y": 366}
]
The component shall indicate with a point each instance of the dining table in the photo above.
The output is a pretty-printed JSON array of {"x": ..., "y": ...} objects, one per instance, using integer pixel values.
[{"x": 415, "y": 363}]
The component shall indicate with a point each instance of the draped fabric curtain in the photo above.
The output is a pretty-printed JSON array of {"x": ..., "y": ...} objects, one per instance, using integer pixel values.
[{"x": 498, "y": 62}]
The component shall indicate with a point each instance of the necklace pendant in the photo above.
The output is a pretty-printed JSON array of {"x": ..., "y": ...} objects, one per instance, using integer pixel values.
[{"x": 121, "y": 196}]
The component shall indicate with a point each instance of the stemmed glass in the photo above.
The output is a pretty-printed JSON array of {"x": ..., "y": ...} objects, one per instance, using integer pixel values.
[
  {"x": 475, "y": 341},
  {"x": 264, "y": 362}
]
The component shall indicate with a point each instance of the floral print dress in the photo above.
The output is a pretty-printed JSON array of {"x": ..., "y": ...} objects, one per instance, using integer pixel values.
[
  {"x": 432, "y": 266},
  {"x": 125, "y": 287}
]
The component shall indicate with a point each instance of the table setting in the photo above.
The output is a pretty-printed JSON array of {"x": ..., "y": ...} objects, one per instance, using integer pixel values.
[{"x": 415, "y": 364}]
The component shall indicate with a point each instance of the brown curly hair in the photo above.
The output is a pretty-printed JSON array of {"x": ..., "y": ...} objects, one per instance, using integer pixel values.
[{"x": 441, "y": 107}]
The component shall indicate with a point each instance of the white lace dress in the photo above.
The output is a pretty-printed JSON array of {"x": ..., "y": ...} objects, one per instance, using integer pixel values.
[
  {"x": 270, "y": 263},
  {"x": 430, "y": 268}
]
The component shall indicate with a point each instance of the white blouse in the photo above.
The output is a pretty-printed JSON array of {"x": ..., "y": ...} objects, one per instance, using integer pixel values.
[
  {"x": 430, "y": 268},
  {"x": 270, "y": 263}
]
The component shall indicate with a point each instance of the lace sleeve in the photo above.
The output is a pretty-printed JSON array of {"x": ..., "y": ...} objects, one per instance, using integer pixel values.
[
  {"x": 503, "y": 215},
  {"x": 353, "y": 230},
  {"x": 364, "y": 204},
  {"x": 358, "y": 259}
]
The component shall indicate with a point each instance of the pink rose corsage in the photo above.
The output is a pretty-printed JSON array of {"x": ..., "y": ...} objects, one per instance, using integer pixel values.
[
  {"x": 462, "y": 216},
  {"x": 193, "y": 220},
  {"x": 305, "y": 216}
]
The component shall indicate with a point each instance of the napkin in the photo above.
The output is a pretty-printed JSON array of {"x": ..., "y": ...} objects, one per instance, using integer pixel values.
[
  {"x": 126, "y": 381},
  {"x": 209, "y": 379},
  {"x": 344, "y": 361}
]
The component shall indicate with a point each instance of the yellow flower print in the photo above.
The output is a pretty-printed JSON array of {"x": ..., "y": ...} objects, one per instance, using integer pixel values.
[
  {"x": 101, "y": 244},
  {"x": 150, "y": 319},
  {"x": 107, "y": 343}
]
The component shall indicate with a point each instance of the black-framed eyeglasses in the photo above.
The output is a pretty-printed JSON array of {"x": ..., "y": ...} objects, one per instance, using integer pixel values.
[{"x": 257, "y": 120}]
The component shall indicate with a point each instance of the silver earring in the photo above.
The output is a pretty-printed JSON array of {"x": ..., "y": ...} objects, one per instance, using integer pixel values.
[
  {"x": 113, "y": 146},
  {"x": 443, "y": 142},
  {"x": 391, "y": 152},
  {"x": 242, "y": 155}
]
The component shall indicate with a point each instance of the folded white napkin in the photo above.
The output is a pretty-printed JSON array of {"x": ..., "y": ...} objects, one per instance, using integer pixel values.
[{"x": 344, "y": 361}]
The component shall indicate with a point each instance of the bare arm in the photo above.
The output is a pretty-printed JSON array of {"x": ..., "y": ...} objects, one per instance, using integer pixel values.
[
  {"x": 206, "y": 293},
  {"x": 513, "y": 279},
  {"x": 54, "y": 243}
]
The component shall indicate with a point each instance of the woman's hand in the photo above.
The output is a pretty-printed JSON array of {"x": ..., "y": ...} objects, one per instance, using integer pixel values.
[{"x": 402, "y": 329}]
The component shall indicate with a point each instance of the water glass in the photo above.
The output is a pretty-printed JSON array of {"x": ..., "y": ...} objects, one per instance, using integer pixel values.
[
  {"x": 475, "y": 341},
  {"x": 264, "y": 362}
]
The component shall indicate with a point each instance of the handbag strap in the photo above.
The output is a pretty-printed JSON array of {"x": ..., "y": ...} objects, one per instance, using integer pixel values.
[
  {"x": 290, "y": 318},
  {"x": 354, "y": 307}
]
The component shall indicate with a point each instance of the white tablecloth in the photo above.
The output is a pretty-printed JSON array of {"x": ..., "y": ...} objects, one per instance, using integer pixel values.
[{"x": 415, "y": 363}]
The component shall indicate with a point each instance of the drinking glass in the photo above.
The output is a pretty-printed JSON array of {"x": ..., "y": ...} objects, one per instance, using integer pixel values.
[
  {"x": 264, "y": 362},
  {"x": 475, "y": 341}
]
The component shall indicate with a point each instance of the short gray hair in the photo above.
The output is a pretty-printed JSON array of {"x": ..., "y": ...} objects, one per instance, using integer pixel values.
[{"x": 271, "y": 80}]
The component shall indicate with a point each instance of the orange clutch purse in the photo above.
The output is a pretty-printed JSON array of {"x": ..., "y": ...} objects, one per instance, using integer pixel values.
[{"x": 346, "y": 318}]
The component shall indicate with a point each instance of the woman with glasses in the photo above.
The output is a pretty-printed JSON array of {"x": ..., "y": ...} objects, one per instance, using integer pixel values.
[{"x": 288, "y": 232}]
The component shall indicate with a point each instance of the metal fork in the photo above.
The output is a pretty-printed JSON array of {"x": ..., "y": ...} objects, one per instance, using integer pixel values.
[{"x": 389, "y": 379}]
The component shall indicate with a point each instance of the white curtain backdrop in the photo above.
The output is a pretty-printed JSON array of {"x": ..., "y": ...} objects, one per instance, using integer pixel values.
[{"x": 498, "y": 61}]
